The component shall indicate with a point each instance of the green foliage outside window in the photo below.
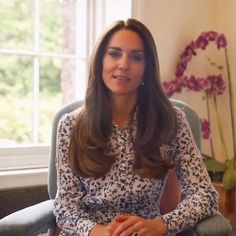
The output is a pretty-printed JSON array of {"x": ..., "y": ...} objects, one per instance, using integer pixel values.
[{"x": 17, "y": 71}]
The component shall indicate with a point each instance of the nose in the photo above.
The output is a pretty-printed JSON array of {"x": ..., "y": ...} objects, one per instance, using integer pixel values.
[{"x": 123, "y": 62}]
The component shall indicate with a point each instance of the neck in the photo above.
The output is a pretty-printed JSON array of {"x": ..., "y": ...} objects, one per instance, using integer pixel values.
[{"x": 122, "y": 109}]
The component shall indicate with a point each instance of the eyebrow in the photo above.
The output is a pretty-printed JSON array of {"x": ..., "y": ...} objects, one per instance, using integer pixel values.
[{"x": 119, "y": 49}]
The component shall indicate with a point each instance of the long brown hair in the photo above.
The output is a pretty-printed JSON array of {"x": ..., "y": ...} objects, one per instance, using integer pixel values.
[{"x": 89, "y": 154}]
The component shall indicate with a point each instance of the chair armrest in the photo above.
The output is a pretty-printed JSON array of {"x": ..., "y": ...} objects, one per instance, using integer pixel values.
[
  {"x": 216, "y": 225},
  {"x": 29, "y": 221}
]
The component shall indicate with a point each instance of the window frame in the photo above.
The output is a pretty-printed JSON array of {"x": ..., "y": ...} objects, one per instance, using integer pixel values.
[
  {"x": 21, "y": 161},
  {"x": 28, "y": 154}
]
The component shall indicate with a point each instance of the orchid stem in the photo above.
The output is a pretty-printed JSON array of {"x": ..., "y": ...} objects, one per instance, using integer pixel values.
[
  {"x": 220, "y": 128},
  {"x": 231, "y": 102},
  {"x": 209, "y": 118}
]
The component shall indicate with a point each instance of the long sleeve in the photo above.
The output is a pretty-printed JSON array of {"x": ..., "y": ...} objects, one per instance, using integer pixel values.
[
  {"x": 200, "y": 197},
  {"x": 70, "y": 213}
]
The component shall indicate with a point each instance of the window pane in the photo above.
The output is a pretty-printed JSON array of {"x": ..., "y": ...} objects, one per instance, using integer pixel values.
[
  {"x": 50, "y": 96},
  {"x": 82, "y": 27},
  {"x": 16, "y": 24},
  {"x": 81, "y": 79},
  {"x": 52, "y": 14},
  {"x": 15, "y": 100},
  {"x": 57, "y": 87}
]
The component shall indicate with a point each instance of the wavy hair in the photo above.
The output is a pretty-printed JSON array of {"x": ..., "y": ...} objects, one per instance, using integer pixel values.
[{"x": 156, "y": 118}]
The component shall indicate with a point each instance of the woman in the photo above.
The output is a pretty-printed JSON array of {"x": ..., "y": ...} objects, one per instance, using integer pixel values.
[{"x": 113, "y": 153}]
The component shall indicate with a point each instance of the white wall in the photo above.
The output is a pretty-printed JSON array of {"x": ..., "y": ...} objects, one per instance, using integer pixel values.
[{"x": 174, "y": 24}]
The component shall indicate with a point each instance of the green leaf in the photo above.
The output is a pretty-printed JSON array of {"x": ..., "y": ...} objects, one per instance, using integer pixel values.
[
  {"x": 214, "y": 165},
  {"x": 231, "y": 164},
  {"x": 229, "y": 178}
]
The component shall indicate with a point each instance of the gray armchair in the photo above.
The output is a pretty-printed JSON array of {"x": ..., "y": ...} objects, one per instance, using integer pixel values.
[{"x": 39, "y": 218}]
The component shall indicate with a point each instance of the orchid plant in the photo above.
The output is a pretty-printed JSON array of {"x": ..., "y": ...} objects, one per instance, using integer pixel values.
[{"x": 211, "y": 86}]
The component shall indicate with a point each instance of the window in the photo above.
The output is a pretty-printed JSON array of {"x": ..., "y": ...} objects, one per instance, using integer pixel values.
[{"x": 44, "y": 51}]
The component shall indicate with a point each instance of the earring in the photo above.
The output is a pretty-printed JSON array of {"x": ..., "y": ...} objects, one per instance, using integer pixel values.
[{"x": 142, "y": 83}]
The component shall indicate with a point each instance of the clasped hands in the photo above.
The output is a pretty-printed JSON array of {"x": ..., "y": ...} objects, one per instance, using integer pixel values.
[{"x": 126, "y": 225}]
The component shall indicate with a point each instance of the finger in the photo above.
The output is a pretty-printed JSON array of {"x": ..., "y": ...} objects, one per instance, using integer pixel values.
[
  {"x": 121, "y": 218},
  {"x": 111, "y": 227},
  {"x": 136, "y": 227},
  {"x": 124, "y": 226},
  {"x": 142, "y": 232}
]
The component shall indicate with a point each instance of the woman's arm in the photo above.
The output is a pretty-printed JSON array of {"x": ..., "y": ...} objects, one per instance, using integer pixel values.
[
  {"x": 200, "y": 197},
  {"x": 71, "y": 214}
]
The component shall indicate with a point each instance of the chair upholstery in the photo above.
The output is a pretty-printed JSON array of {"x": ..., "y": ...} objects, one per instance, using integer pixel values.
[{"x": 39, "y": 218}]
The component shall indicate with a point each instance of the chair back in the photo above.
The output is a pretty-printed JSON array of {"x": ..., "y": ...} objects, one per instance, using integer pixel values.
[
  {"x": 192, "y": 117},
  {"x": 52, "y": 174}
]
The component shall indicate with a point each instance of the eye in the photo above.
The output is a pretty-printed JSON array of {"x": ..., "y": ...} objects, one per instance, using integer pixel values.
[
  {"x": 114, "y": 53},
  {"x": 137, "y": 56}
]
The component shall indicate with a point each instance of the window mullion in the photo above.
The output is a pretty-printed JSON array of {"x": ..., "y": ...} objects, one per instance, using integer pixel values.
[
  {"x": 38, "y": 54},
  {"x": 77, "y": 82},
  {"x": 36, "y": 72}
]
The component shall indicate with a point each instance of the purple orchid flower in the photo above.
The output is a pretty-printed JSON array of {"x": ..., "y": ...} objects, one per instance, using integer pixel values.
[
  {"x": 221, "y": 41},
  {"x": 217, "y": 85},
  {"x": 205, "y": 129}
]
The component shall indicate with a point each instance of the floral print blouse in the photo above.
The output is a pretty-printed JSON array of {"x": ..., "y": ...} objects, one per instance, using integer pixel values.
[{"x": 82, "y": 202}]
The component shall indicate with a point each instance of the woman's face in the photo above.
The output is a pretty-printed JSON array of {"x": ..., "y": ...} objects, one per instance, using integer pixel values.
[{"x": 124, "y": 63}]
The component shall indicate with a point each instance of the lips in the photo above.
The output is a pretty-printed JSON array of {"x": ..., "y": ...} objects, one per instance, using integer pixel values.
[{"x": 121, "y": 78}]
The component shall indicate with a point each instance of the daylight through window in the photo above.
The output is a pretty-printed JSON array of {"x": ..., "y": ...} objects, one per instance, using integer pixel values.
[{"x": 44, "y": 51}]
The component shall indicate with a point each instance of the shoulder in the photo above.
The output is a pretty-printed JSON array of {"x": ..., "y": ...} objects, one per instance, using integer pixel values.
[
  {"x": 183, "y": 126},
  {"x": 67, "y": 121},
  {"x": 179, "y": 112},
  {"x": 180, "y": 116}
]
